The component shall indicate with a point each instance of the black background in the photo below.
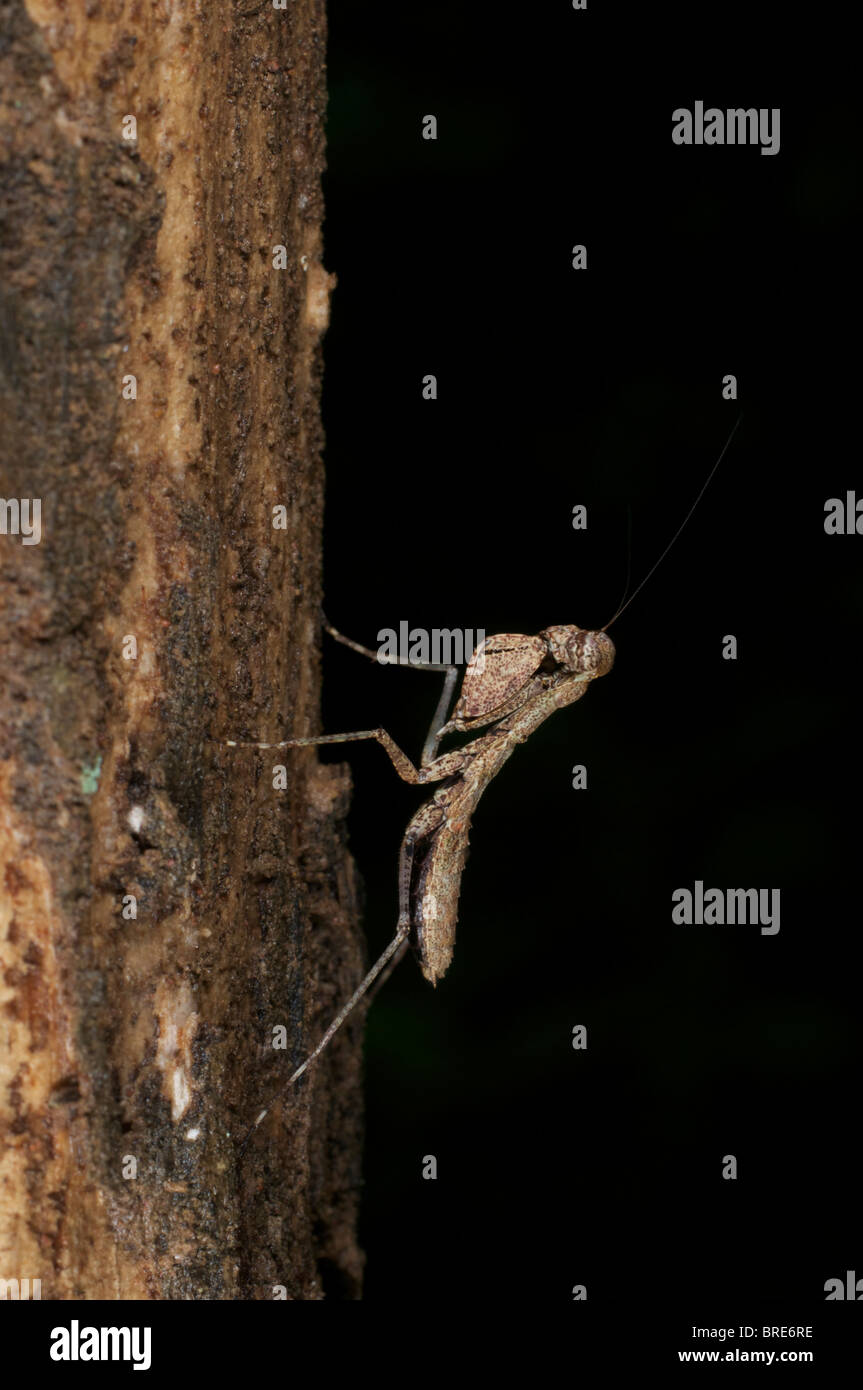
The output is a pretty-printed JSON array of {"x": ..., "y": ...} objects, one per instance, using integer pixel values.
[{"x": 603, "y": 387}]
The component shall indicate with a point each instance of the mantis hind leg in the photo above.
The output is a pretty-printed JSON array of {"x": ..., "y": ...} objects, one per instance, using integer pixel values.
[
  {"x": 379, "y": 973},
  {"x": 384, "y": 964}
]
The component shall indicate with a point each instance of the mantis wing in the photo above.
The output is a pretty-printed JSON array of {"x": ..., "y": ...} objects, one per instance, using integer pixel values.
[{"x": 498, "y": 669}]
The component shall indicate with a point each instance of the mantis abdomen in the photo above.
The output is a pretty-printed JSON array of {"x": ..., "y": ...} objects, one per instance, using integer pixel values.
[{"x": 436, "y": 840}]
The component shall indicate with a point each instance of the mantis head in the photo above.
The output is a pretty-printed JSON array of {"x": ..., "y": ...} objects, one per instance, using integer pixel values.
[{"x": 580, "y": 651}]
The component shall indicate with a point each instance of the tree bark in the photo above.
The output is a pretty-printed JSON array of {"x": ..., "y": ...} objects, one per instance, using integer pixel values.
[{"x": 137, "y": 1036}]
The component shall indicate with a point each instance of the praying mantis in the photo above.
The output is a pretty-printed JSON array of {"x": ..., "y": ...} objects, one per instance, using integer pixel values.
[{"x": 512, "y": 684}]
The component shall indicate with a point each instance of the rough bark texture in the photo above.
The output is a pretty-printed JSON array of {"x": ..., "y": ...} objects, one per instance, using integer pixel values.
[{"x": 150, "y": 1038}]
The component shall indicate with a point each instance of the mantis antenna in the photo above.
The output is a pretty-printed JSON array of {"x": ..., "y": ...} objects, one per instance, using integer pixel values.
[{"x": 655, "y": 566}]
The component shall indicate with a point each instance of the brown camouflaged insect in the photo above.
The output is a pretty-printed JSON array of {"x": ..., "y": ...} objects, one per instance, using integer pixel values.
[{"x": 511, "y": 685}]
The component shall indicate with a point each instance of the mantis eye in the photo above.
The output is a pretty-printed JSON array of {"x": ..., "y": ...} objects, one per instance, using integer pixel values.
[{"x": 599, "y": 652}]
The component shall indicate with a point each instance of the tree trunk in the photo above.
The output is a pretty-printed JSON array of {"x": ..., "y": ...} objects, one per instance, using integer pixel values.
[{"x": 164, "y": 908}]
